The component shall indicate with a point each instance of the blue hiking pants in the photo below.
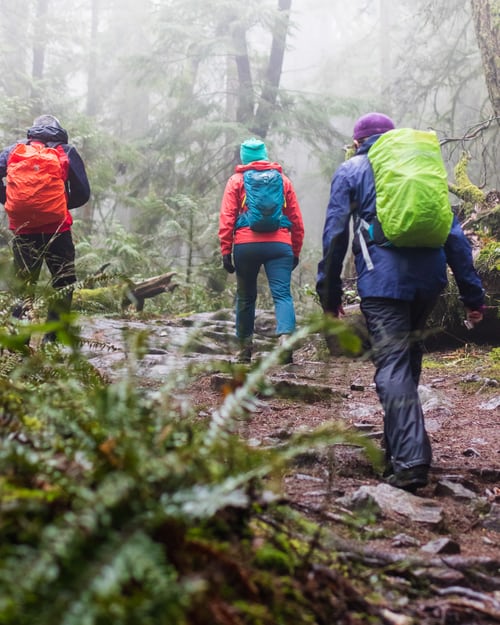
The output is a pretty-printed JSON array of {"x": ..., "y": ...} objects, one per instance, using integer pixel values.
[
  {"x": 277, "y": 259},
  {"x": 395, "y": 331}
]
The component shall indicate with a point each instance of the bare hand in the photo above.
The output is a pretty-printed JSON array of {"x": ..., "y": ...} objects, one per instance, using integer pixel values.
[
  {"x": 473, "y": 316},
  {"x": 336, "y": 312}
]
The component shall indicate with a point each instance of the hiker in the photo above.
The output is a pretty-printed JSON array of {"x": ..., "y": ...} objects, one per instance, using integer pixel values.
[
  {"x": 255, "y": 236},
  {"x": 398, "y": 287},
  {"x": 42, "y": 178}
]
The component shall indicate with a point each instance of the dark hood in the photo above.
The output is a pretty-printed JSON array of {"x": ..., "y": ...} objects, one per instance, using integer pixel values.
[
  {"x": 48, "y": 134},
  {"x": 367, "y": 144}
]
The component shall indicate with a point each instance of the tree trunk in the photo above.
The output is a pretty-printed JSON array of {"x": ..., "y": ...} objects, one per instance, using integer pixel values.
[
  {"x": 244, "y": 109},
  {"x": 385, "y": 56},
  {"x": 92, "y": 95},
  {"x": 92, "y": 105},
  {"x": 270, "y": 89},
  {"x": 486, "y": 15},
  {"x": 39, "y": 46}
]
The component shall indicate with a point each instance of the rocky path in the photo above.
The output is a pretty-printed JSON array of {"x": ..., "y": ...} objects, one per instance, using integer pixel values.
[{"x": 450, "y": 529}]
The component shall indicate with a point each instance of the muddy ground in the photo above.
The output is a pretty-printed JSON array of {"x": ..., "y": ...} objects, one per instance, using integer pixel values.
[
  {"x": 462, "y": 412},
  {"x": 460, "y": 391}
]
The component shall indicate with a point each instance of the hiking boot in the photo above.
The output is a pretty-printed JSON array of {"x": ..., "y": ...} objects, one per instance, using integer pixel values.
[
  {"x": 244, "y": 356},
  {"x": 286, "y": 357},
  {"x": 410, "y": 479},
  {"x": 50, "y": 337},
  {"x": 388, "y": 470}
]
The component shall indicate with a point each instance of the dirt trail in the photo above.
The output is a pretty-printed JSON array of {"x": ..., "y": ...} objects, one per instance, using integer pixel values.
[
  {"x": 462, "y": 411},
  {"x": 461, "y": 399}
]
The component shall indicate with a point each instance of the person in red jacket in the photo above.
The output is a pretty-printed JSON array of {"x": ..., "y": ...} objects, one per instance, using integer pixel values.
[{"x": 278, "y": 250}]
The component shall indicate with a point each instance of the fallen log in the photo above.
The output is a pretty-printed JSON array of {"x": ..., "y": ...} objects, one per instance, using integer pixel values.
[
  {"x": 137, "y": 293},
  {"x": 115, "y": 297},
  {"x": 445, "y": 327}
]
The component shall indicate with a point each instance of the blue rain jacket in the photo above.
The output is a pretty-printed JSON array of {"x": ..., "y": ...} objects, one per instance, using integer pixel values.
[{"x": 398, "y": 273}]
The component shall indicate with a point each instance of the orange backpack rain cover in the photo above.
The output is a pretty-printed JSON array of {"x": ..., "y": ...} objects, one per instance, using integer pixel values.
[{"x": 36, "y": 194}]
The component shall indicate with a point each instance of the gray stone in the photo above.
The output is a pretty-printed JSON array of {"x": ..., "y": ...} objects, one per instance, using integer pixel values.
[
  {"x": 443, "y": 577},
  {"x": 441, "y": 545},
  {"x": 491, "y": 404},
  {"x": 470, "y": 452},
  {"x": 403, "y": 540},
  {"x": 393, "y": 502},
  {"x": 492, "y": 519},
  {"x": 448, "y": 488},
  {"x": 432, "y": 399}
]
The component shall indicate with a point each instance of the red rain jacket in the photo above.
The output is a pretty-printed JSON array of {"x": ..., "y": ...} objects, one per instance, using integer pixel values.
[{"x": 231, "y": 207}]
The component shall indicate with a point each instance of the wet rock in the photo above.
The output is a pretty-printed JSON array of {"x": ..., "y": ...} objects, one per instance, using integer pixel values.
[
  {"x": 432, "y": 399},
  {"x": 447, "y": 488},
  {"x": 443, "y": 577},
  {"x": 316, "y": 493},
  {"x": 471, "y": 452},
  {"x": 364, "y": 427},
  {"x": 385, "y": 500},
  {"x": 307, "y": 478},
  {"x": 476, "y": 379},
  {"x": 393, "y": 618},
  {"x": 441, "y": 545},
  {"x": 492, "y": 519},
  {"x": 491, "y": 404},
  {"x": 308, "y": 393},
  {"x": 362, "y": 412},
  {"x": 487, "y": 474},
  {"x": 403, "y": 540},
  {"x": 433, "y": 425}
]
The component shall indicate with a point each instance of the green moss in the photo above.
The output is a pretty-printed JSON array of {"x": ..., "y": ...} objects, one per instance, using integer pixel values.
[
  {"x": 464, "y": 189},
  {"x": 489, "y": 257},
  {"x": 268, "y": 557},
  {"x": 101, "y": 299},
  {"x": 350, "y": 151}
]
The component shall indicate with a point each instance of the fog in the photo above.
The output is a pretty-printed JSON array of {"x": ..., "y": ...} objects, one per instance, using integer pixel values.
[{"x": 151, "y": 95}]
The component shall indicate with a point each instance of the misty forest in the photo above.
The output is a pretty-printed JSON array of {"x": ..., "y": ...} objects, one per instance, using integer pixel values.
[{"x": 124, "y": 499}]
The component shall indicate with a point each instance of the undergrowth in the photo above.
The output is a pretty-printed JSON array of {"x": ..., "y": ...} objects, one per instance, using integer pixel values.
[{"x": 122, "y": 507}]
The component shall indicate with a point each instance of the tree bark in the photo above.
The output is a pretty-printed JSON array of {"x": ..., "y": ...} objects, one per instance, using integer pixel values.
[
  {"x": 92, "y": 96},
  {"x": 39, "y": 46},
  {"x": 245, "y": 106},
  {"x": 486, "y": 14},
  {"x": 137, "y": 293},
  {"x": 386, "y": 78},
  {"x": 269, "y": 96}
]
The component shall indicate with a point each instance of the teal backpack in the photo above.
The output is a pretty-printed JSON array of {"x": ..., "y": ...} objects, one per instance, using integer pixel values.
[
  {"x": 264, "y": 198},
  {"x": 413, "y": 209}
]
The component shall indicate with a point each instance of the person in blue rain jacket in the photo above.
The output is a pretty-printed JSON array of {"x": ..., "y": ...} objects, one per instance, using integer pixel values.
[{"x": 397, "y": 295}]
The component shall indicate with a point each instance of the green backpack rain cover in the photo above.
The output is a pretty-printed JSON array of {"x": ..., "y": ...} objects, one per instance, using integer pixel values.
[{"x": 412, "y": 188}]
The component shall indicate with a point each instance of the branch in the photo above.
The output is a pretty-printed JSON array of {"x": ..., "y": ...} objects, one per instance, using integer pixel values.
[{"x": 472, "y": 132}]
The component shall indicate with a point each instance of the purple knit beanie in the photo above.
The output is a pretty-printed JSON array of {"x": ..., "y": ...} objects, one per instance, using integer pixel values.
[{"x": 372, "y": 124}]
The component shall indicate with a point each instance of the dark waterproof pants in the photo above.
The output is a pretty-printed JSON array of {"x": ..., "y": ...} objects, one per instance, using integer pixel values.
[
  {"x": 58, "y": 251},
  {"x": 395, "y": 328}
]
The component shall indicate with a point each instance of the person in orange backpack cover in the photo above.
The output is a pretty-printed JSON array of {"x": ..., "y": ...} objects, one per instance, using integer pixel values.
[{"x": 42, "y": 178}]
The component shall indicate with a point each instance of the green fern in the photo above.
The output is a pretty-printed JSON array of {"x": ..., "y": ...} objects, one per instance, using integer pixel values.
[{"x": 121, "y": 507}]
